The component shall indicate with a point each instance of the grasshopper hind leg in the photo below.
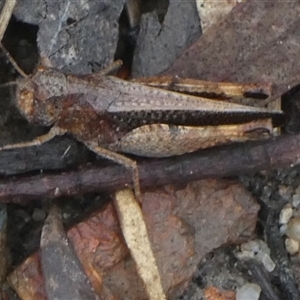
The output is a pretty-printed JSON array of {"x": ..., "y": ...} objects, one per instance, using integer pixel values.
[{"x": 122, "y": 160}]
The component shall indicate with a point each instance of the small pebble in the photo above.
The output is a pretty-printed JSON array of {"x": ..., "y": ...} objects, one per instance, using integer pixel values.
[
  {"x": 283, "y": 229},
  {"x": 251, "y": 246},
  {"x": 285, "y": 214},
  {"x": 249, "y": 291},
  {"x": 267, "y": 191},
  {"x": 296, "y": 200},
  {"x": 245, "y": 254},
  {"x": 293, "y": 229},
  {"x": 285, "y": 191},
  {"x": 296, "y": 213},
  {"x": 297, "y": 190},
  {"x": 292, "y": 246},
  {"x": 38, "y": 215},
  {"x": 23, "y": 215},
  {"x": 264, "y": 247},
  {"x": 258, "y": 250},
  {"x": 266, "y": 260}
]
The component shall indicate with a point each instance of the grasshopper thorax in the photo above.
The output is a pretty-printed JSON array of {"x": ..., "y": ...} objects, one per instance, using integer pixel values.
[{"x": 38, "y": 97}]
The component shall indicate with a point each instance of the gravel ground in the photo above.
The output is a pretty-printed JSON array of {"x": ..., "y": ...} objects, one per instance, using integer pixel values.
[{"x": 221, "y": 268}]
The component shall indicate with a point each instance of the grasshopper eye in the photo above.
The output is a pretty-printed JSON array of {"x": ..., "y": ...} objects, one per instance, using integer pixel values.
[
  {"x": 25, "y": 102},
  {"x": 50, "y": 82}
]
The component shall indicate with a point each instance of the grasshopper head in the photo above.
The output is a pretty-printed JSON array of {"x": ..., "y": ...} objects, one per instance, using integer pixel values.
[{"x": 38, "y": 97}]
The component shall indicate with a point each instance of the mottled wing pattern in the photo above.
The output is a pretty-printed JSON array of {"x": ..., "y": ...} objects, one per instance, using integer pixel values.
[{"x": 133, "y": 102}]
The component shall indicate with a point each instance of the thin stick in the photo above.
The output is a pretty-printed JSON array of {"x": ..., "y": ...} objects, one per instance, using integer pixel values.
[
  {"x": 6, "y": 15},
  {"x": 13, "y": 62},
  {"x": 137, "y": 239},
  {"x": 219, "y": 162}
]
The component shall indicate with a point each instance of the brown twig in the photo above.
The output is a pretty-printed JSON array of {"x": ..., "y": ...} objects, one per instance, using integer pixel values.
[{"x": 218, "y": 162}]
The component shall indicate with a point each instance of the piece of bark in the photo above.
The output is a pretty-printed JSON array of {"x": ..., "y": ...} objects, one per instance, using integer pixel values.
[
  {"x": 100, "y": 246},
  {"x": 55, "y": 155},
  {"x": 213, "y": 293},
  {"x": 207, "y": 214},
  {"x": 184, "y": 225},
  {"x": 33, "y": 286},
  {"x": 255, "y": 42},
  {"x": 64, "y": 276},
  {"x": 219, "y": 162}
]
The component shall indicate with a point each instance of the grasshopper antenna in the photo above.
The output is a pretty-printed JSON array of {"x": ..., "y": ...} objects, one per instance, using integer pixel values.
[
  {"x": 15, "y": 65},
  {"x": 11, "y": 83},
  {"x": 13, "y": 62}
]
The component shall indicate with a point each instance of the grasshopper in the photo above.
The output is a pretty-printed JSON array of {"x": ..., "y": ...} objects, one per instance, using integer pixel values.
[{"x": 113, "y": 116}]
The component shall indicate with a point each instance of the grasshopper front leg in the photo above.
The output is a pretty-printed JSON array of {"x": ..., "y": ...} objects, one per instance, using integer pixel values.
[{"x": 54, "y": 131}]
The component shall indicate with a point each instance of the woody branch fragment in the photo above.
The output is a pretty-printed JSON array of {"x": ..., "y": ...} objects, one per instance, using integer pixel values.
[{"x": 212, "y": 163}]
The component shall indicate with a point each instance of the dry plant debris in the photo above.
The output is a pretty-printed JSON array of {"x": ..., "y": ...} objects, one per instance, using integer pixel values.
[
  {"x": 227, "y": 214},
  {"x": 244, "y": 48},
  {"x": 136, "y": 236},
  {"x": 213, "y": 293}
]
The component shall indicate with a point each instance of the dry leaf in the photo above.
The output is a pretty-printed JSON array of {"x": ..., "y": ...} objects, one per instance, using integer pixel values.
[{"x": 255, "y": 42}]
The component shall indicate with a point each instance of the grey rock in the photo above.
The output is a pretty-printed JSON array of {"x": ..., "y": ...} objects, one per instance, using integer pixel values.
[
  {"x": 74, "y": 34},
  {"x": 158, "y": 45}
]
